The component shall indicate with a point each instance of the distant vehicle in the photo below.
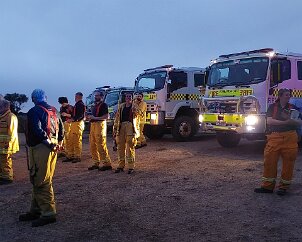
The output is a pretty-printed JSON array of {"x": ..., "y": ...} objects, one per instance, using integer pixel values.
[
  {"x": 172, "y": 96},
  {"x": 90, "y": 98},
  {"x": 240, "y": 87}
]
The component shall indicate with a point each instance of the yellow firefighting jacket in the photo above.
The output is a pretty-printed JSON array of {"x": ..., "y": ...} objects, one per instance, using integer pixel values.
[
  {"x": 141, "y": 110},
  {"x": 9, "y": 142},
  {"x": 117, "y": 120}
]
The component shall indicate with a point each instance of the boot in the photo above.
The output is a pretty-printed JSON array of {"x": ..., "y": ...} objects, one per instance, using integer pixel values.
[
  {"x": 5, "y": 181},
  {"x": 29, "y": 216},
  {"x": 118, "y": 170},
  {"x": 76, "y": 160},
  {"x": 105, "y": 168},
  {"x": 93, "y": 167},
  {"x": 263, "y": 190},
  {"x": 43, "y": 221}
]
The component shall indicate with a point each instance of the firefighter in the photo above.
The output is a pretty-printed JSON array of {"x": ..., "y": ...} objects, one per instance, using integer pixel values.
[
  {"x": 45, "y": 133},
  {"x": 125, "y": 132},
  {"x": 98, "y": 132},
  {"x": 281, "y": 142},
  {"x": 8, "y": 141},
  {"x": 66, "y": 111},
  {"x": 141, "y": 111},
  {"x": 74, "y": 146}
]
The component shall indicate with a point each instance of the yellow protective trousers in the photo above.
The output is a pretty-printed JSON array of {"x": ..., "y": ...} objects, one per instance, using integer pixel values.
[
  {"x": 278, "y": 145},
  {"x": 6, "y": 167},
  {"x": 42, "y": 162},
  {"x": 125, "y": 145},
  {"x": 74, "y": 144},
  {"x": 141, "y": 140},
  {"x": 66, "y": 138},
  {"x": 98, "y": 146}
]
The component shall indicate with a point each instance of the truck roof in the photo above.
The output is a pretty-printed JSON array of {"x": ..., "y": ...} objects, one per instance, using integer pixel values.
[
  {"x": 255, "y": 53},
  {"x": 120, "y": 89},
  {"x": 171, "y": 67}
]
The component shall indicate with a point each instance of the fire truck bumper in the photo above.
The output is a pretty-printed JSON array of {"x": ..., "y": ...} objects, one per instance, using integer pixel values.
[{"x": 240, "y": 123}]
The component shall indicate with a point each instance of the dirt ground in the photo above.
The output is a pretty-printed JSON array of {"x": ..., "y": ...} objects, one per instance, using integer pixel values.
[{"x": 192, "y": 191}]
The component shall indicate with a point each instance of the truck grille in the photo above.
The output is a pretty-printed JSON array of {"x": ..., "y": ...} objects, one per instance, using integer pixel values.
[{"x": 246, "y": 106}]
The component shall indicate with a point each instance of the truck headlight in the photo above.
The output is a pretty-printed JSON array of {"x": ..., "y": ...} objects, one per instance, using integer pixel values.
[
  {"x": 153, "y": 116},
  {"x": 251, "y": 120},
  {"x": 200, "y": 118}
]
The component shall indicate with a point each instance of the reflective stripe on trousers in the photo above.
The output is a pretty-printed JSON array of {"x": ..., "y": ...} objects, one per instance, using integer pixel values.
[
  {"x": 125, "y": 145},
  {"x": 6, "y": 166},
  {"x": 278, "y": 145},
  {"x": 42, "y": 164},
  {"x": 98, "y": 146},
  {"x": 74, "y": 146}
]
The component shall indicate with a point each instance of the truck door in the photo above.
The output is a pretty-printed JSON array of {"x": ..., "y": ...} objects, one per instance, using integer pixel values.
[
  {"x": 177, "y": 91},
  {"x": 280, "y": 72}
]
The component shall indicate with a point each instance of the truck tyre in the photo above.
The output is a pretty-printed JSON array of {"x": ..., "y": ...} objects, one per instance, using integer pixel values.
[
  {"x": 228, "y": 139},
  {"x": 184, "y": 128},
  {"x": 154, "y": 132}
]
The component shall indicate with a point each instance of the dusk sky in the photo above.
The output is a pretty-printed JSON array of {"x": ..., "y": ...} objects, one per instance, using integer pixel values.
[{"x": 65, "y": 46}]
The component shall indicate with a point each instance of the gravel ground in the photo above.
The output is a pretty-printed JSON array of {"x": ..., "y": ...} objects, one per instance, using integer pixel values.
[{"x": 192, "y": 191}]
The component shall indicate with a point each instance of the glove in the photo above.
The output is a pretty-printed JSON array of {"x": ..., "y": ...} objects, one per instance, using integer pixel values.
[{"x": 50, "y": 145}]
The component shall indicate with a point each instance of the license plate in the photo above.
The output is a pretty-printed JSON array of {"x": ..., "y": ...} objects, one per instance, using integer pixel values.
[{"x": 220, "y": 123}]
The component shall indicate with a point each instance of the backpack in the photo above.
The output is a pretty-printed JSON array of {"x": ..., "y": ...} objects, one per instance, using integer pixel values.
[{"x": 52, "y": 129}]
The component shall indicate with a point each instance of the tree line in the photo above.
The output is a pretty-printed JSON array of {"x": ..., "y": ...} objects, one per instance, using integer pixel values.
[{"x": 16, "y": 101}]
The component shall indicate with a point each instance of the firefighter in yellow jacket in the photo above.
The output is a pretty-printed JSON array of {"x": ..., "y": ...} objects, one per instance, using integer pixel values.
[
  {"x": 8, "y": 141},
  {"x": 44, "y": 138},
  {"x": 282, "y": 141},
  {"x": 98, "y": 133},
  {"x": 125, "y": 132},
  {"x": 141, "y": 111}
]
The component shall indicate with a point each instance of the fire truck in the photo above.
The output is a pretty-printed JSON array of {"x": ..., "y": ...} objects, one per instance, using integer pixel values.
[
  {"x": 172, "y": 96},
  {"x": 240, "y": 86}
]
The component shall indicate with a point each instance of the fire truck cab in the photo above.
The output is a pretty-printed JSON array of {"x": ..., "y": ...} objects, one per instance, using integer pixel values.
[
  {"x": 240, "y": 86},
  {"x": 172, "y": 96}
]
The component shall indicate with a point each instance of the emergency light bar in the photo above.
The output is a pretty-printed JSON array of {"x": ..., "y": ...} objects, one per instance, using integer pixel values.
[
  {"x": 265, "y": 50},
  {"x": 159, "y": 67}
]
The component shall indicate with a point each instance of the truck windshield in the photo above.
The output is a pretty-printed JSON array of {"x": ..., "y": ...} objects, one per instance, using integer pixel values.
[
  {"x": 238, "y": 72},
  {"x": 89, "y": 100},
  {"x": 151, "y": 81},
  {"x": 111, "y": 98}
]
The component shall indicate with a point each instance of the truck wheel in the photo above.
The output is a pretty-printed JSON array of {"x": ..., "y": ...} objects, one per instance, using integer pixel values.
[
  {"x": 154, "y": 132},
  {"x": 184, "y": 128},
  {"x": 228, "y": 139}
]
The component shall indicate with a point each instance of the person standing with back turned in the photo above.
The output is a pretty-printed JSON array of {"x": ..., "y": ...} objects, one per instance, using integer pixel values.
[
  {"x": 45, "y": 133},
  {"x": 74, "y": 145},
  {"x": 66, "y": 111},
  {"x": 282, "y": 140}
]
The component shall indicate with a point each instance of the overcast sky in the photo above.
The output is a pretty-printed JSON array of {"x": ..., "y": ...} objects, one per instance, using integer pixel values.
[{"x": 65, "y": 46}]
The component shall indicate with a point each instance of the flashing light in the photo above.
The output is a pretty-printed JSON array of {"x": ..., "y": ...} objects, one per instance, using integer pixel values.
[
  {"x": 250, "y": 128},
  {"x": 251, "y": 120},
  {"x": 271, "y": 54},
  {"x": 200, "y": 118},
  {"x": 153, "y": 116},
  {"x": 213, "y": 61}
]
